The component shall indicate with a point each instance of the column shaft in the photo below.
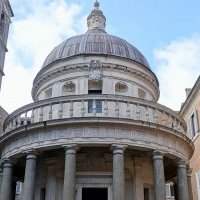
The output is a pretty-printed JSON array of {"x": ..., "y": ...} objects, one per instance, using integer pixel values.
[
  {"x": 182, "y": 182},
  {"x": 1, "y": 176},
  {"x": 70, "y": 173},
  {"x": 6, "y": 186},
  {"x": 189, "y": 176},
  {"x": 159, "y": 176},
  {"x": 118, "y": 173},
  {"x": 30, "y": 173}
]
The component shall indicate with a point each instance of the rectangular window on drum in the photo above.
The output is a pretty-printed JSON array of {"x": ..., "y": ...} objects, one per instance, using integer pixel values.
[
  {"x": 98, "y": 106},
  {"x": 94, "y": 106}
]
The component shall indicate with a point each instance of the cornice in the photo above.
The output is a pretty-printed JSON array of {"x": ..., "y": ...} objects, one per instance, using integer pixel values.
[
  {"x": 43, "y": 78},
  {"x": 191, "y": 96}
]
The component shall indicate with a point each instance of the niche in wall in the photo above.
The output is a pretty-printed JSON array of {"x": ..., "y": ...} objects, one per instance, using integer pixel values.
[
  {"x": 121, "y": 88},
  {"x": 141, "y": 93},
  {"x": 68, "y": 88},
  {"x": 48, "y": 93}
]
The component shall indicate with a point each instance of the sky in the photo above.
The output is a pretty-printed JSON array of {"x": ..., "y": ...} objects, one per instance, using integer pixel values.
[{"x": 167, "y": 32}]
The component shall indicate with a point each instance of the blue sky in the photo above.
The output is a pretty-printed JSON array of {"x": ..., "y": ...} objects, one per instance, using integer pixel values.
[
  {"x": 149, "y": 24},
  {"x": 166, "y": 32}
]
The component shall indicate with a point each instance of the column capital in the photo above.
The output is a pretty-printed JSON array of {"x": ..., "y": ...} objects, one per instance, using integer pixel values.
[
  {"x": 31, "y": 157},
  {"x": 158, "y": 155},
  {"x": 71, "y": 148},
  {"x": 181, "y": 164},
  {"x": 118, "y": 148},
  {"x": 30, "y": 153},
  {"x": 7, "y": 163}
]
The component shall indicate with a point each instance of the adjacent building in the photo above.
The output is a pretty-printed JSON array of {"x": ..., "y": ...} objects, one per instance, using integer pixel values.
[
  {"x": 5, "y": 19},
  {"x": 190, "y": 111},
  {"x": 5, "y": 16},
  {"x": 95, "y": 129}
]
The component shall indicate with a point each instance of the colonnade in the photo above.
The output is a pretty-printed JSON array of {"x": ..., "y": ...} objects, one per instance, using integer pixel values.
[{"x": 70, "y": 176}]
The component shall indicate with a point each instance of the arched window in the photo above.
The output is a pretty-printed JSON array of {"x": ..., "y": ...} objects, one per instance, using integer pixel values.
[
  {"x": 69, "y": 88},
  {"x": 121, "y": 87},
  {"x": 141, "y": 93}
]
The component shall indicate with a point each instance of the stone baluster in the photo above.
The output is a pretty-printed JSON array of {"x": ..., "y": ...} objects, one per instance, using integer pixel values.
[
  {"x": 19, "y": 121},
  {"x": 105, "y": 108},
  {"x": 30, "y": 175},
  {"x": 147, "y": 114},
  {"x": 94, "y": 107},
  {"x": 116, "y": 109},
  {"x": 118, "y": 172},
  {"x": 6, "y": 186},
  {"x": 159, "y": 176},
  {"x": 50, "y": 112},
  {"x": 82, "y": 108},
  {"x": 41, "y": 115},
  {"x": 138, "y": 112},
  {"x": 71, "y": 109},
  {"x": 33, "y": 116},
  {"x": 70, "y": 172},
  {"x": 155, "y": 116},
  {"x": 60, "y": 112},
  {"x": 13, "y": 123},
  {"x": 25, "y": 122},
  {"x": 128, "y": 110}
]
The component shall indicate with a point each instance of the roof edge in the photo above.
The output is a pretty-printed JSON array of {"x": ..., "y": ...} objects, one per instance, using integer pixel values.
[{"x": 189, "y": 98}]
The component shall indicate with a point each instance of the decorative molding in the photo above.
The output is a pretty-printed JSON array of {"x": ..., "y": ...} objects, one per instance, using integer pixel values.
[
  {"x": 95, "y": 70},
  {"x": 99, "y": 135},
  {"x": 42, "y": 78}
]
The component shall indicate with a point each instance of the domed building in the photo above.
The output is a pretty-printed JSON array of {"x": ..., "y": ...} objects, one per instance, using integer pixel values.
[{"x": 95, "y": 129}]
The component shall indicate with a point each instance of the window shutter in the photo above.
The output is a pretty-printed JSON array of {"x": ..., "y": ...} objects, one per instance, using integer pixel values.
[{"x": 197, "y": 121}]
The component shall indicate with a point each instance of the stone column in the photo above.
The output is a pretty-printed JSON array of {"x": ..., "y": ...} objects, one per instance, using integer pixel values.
[
  {"x": 6, "y": 186},
  {"x": 30, "y": 174},
  {"x": 159, "y": 176},
  {"x": 1, "y": 176},
  {"x": 51, "y": 180},
  {"x": 70, "y": 172},
  {"x": 189, "y": 177},
  {"x": 182, "y": 182},
  {"x": 118, "y": 172}
]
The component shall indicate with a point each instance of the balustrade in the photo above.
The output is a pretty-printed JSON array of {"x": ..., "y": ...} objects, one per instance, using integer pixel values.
[{"x": 95, "y": 106}]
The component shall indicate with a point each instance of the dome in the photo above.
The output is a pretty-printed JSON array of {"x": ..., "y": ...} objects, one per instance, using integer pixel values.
[{"x": 96, "y": 42}]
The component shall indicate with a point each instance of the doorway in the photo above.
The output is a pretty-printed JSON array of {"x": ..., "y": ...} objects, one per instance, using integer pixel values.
[{"x": 94, "y": 193}]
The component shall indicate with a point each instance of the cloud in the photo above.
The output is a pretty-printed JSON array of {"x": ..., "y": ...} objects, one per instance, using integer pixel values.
[
  {"x": 177, "y": 67},
  {"x": 34, "y": 32}
]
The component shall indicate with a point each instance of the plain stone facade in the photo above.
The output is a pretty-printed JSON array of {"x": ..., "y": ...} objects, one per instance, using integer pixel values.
[
  {"x": 190, "y": 111},
  {"x": 5, "y": 15},
  {"x": 95, "y": 129}
]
